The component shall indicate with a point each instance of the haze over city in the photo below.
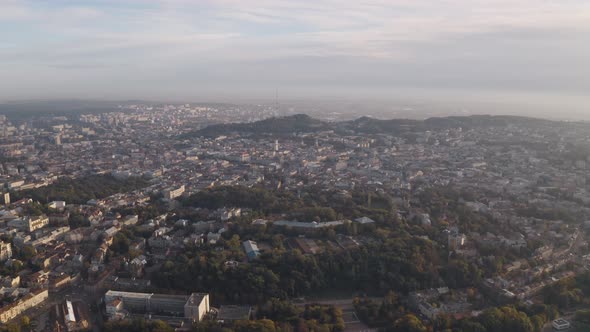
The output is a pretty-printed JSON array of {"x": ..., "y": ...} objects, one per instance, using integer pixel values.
[
  {"x": 294, "y": 166},
  {"x": 524, "y": 54}
]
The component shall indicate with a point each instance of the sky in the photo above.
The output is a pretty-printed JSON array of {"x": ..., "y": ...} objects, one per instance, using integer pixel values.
[{"x": 224, "y": 49}]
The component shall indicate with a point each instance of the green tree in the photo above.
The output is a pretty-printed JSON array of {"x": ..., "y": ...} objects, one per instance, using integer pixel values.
[
  {"x": 263, "y": 325},
  {"x": 408, "y": 323},
  {"x": 120, "y": 244},
  {"x": 25, "y": 321},
  {"x": 467, "y": 325}
]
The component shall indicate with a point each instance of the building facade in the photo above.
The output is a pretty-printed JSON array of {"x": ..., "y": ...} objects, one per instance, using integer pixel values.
[
  {"x": 31, "y": 300},
  {"x": 5, "y": 251},
  {"x": 192, "y": 307}
]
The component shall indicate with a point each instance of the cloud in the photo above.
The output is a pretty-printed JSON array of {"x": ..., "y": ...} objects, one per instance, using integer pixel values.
[
  {"x": 327, "y": 27},
  {"x": 374, "y": 42},
  {"x": 13, "y": 10}
]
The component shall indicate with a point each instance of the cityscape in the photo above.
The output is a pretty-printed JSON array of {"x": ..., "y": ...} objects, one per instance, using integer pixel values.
[
  {"x": 294, "y": 166},
  {"x": 240, "y": 217}
]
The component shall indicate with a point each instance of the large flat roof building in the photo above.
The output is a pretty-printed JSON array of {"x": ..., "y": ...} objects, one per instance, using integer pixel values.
[
  {"x": 193, "y": 307},
  {"x": 251, "y": 249}
]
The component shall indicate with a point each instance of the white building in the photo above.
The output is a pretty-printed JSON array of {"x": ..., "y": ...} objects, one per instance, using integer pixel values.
[
  {"x": 561, "y": 324},
  {"x": 5, "y": 251},
  {"x": 251, "y": 249},
  {"x": 57, "y": 205},
  {"x": 36, "y": 222},
  {"x": 194, "y": 307},
  {"x": 171, "y": 194}
]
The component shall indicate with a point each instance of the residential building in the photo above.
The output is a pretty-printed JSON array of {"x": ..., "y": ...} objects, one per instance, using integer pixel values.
[
  {"x": 173, "y": 193},
  {"x": 5, "y": 251},
  {"x": 36, "y": 222},
  {"x": 33, "y": 299}
]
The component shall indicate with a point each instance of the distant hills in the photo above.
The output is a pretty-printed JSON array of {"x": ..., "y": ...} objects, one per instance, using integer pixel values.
[
  {"x": 299, "y": 123},
  {"x": 302, "y": 123}
]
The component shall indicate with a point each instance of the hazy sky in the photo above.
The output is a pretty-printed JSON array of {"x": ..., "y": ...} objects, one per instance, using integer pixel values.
[{"x": 193, "y": 49}]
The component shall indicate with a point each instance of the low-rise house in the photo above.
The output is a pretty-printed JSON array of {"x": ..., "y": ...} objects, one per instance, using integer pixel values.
[
  {"x": 137, "y": 266},
  {"x": 57, "y": 205},
  {"x": 10, "y": 282},
  {"x": 212, "y": 238},
  {"x": 130, "y": 220},
  {"x": 364, "y": 220}
]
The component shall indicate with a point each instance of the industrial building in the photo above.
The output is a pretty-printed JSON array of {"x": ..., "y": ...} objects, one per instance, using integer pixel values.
[{"x": 69, "y": 316}]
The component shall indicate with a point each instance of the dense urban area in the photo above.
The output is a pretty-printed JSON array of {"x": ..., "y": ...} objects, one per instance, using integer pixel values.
[{"x": 245, "y": 218}]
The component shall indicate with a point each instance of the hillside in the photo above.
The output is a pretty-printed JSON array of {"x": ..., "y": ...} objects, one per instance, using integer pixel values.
[
  {"x": 375, "y": 126},
  {"x": 299, "y": 123},
  {"x": 302, "y": 123}
]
